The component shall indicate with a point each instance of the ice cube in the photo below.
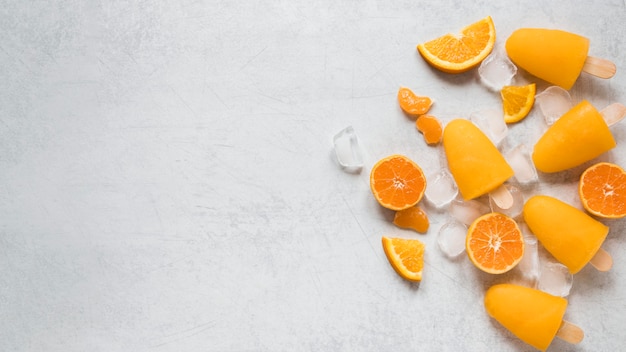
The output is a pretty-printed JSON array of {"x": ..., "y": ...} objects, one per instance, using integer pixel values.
[
  {"x": 451, "y": 238},
  {"x": 555, "y": 278},
  {"x": 491, "y": 122},
  {"x": 526, "y": 273},
  {"x": 467, "y": 211},
  {"x": 347, "y": 149},
  {"x": 515, "y": 209},
  {"x": 553, "y": 102},
  {"x": 441, "y": 188},
  {"x": 496, "y": 71},
  {"x": 521, "y": 162}
]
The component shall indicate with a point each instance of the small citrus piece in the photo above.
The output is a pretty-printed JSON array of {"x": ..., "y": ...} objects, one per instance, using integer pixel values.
[
  {"x": 414, "y": 218},
  {"x": 456, "y": 53},
  {"x": 517, "y": 101},
  {"x": 397, "y": 182},
  {"x": 406, "y": 256},
  {"x": 494, "y": 243},
  {"x": 602, "y": 190},
  {"x": 413, "y": 104},
  {"x": 430, "y": 127}
]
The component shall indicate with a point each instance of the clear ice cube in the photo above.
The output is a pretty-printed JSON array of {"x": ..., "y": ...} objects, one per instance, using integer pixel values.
[
  {"x": 491, "y": 122},
  {"x": 496, "y": 71},
  {"x": 441, "y": 188},
  {"x": 526, "y": 273},
  {"x": 451, "y": 238},
  {"x": 467, "y": 211},
  {"x": 553, "y": 102},
  {"x": 515, "y": 209},
  {"x": 347, "y": 149},
  {"x": 521, "y": 162},
  {"x": 555, "y": 278}
]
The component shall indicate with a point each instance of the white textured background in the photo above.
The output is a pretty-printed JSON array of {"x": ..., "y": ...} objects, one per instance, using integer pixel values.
[{"x": 167, "y": 181}]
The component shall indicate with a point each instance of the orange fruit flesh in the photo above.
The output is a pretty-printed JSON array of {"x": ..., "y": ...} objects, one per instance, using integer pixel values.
[
  {"x": 602, "y": 190},
  {"x": 430, "y": 127},
  {"x": 494, "y": 243},
  {"x": 412, "y": 218},
  {"x": 458, "y": 53},
  {"x": 413, "y": 104},
  {"x": 397, "y": 182},
  {"x": 517, "y": 101},
  {"x": 406, "y": 256}
]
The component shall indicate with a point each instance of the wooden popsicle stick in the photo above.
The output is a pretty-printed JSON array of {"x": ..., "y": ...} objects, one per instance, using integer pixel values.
[
  {"x": 602, "y": 261},
  {"x": 502, "y": 197},
  {"x": 613, "y": 113},
  {"x": 599, "y": 67},
  {"x": 569, "y": 332}
]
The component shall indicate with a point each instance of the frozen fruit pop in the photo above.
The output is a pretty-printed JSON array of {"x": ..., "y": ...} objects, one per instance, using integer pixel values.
[
  {"x": 533, "y": 316},
  {"x": 569, "y": 234},
  {"x": 474, "y": 161},
  {"x": 555, "y": 56},
  {"x": 580, "y": 135}
]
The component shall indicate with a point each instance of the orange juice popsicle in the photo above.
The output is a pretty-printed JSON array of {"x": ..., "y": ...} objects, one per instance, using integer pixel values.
[
  {"x": 580, "y": 135},
  {"x": 474, "y": 161},
  {"x": 569, "y": 234},
  {"x": 532, "y": 315}
]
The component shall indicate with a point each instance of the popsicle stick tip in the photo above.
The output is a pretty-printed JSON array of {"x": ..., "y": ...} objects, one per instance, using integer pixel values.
[
  {"x": 602, "y": 261},
  {"x": 599, "y": 67},
  {"x": 570, "y": 333},
  {"x": 502, "y": 197},
  {"x": 613, "y": 113}
]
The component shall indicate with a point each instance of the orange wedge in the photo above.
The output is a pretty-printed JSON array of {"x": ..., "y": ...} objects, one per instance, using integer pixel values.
[
  {"x": 456, "y": 53},
  {"x": 413, "y": 104},
  {"x": 602, "y": 190},
  {"x": 431, "y": 128},
  {"x": 406, "y": 256},
  {"x": 494, "y": 243},
  {"x": 517, "y": 101}
]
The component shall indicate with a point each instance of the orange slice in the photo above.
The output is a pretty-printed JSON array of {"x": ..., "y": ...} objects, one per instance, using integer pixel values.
[
  {"x": 413, "y": 104},
  {"x": 412, "y": 218},
  {"x": 430, "y": 127},
  {"x": 602, "y": 190},
  {"x": 397, "y": 182},
  {"x": 456, "y": 53},
  {"x": 494, "y": 243},
  {"x": 405, "y": 256},
  {"x": 517, "y": 101}
]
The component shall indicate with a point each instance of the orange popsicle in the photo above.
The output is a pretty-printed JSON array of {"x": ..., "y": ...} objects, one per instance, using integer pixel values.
[{"x": 474, "y": 161}]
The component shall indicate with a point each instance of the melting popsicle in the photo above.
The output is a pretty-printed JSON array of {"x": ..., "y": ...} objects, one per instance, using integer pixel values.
[
  {"x": 474, "y": 161},
  {"x": 569, "y": 234},
  {"x": 533, "y": 316},
  {"x": 580, "y": 135},
  {"x": 555, "y": 56}
]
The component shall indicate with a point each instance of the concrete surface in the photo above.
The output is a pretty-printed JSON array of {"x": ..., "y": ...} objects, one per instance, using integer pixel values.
[{"x": 168, "y": 183}]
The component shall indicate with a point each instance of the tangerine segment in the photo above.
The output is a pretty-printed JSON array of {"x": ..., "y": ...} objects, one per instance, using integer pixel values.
[
  {"x": 602, "y": 190},
  {"x": 397, "y": 182},
  {"x": 406, "y": 256},
  {"x": 413, "y": 104},
  {"x": 517, "y": 101},
  {"x": 456, "y": 53},
  {"x": 494, "y": 243},
  {"x": 412, "y": 218},
  {"x": 430, "y": 127}
]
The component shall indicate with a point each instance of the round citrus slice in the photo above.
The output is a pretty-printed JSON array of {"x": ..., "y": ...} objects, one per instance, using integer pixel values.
[
  {"x": 412, "y": 218},
  {"x": 413, "y": 104},
  {"x": 517, "y": 101},
  {"x": 602, "y": 190},
  {"x": 494, "y": 243},
  {"x": 456, "y": 53},
  {"x": 397, "y": 182},
  {"x": 406, "y": 256}
]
